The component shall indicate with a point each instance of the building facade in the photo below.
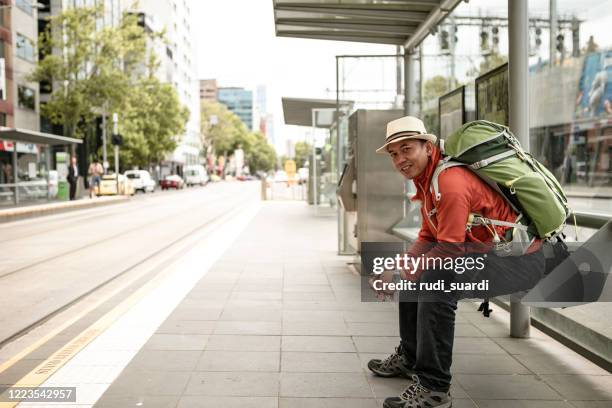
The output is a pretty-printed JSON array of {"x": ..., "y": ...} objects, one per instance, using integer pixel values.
[
  {"x": 178, "y": 67},
  {"x": 20, "y": 102},
  {"x": 19, "y": 98},
  {"x": 209, "y": 90},
  {"x": 240, "y": 102}
]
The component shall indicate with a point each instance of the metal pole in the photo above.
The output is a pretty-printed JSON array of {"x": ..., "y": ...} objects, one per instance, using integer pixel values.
[
  {"x": 406, "y": 82},
  {"x": 15, "y": 173},
  {"x": 518, "y": 33},
  {"x": 553, "y": 33},
  {"x": 398, "y": 71},
  {"x": 115, "y": 132},
  {"x": 48, "y": 164},
  {"x": 451, "y": 42},
  {"x": 409, "y": 82},
  {"x": 314, "y": 160},
  {"x": 421, "y": 79},
  {"x": 339, "y": 164},
  {"x": 104, "y": 154}
]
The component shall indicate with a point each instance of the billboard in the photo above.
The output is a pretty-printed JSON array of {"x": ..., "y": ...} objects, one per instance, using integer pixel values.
[
  {"x": 594, "y": 99},
  {"x": 492, "y": 96},
  {"x": 451, "y": 108}
]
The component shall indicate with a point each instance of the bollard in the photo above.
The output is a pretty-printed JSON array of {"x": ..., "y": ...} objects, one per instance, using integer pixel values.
[{"x": 264, "y": 189}]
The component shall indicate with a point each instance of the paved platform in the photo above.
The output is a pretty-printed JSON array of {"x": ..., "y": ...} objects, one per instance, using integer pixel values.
[{"x": 276, "y": 322}]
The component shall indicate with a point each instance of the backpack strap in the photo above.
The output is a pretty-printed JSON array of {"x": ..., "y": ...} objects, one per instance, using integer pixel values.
[{"x": 443, "y": 164}]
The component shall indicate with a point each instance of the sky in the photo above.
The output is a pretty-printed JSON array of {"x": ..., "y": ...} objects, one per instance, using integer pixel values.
[{"x": 236, "y": 44}]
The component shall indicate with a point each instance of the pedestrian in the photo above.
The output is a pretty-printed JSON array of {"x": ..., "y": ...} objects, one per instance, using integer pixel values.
[
  {"x": 427, "y": 319},
  {"x": 95, "y": 173},
  {"x": 73, "y": 177}
]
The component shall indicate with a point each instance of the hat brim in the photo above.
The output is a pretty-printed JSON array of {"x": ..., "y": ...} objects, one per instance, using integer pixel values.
[{"x": 426, "y": 136}]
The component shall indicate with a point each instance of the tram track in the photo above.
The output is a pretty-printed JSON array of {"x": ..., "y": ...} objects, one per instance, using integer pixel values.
[
  {"x": 73, "y": 251},
  {"x": 238, "y": 203},
  {"x": 82, "y": 215}
]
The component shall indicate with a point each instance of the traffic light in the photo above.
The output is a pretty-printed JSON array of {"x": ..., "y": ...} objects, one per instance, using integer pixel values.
[
  {"x": 495, "y": 37},
  {"x": 117, "y": 140},
  {"x": 444, "y": 44},
  {"x": 538, "y": 40},
  {"x": 484, "y": 40},
  {"x": 560, "y": 39}
]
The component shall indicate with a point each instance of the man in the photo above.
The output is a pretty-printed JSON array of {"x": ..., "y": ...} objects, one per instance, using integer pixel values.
[
  {"x": 95, "y": 173},
  {"x": 427, "y": 322},
  {"x": 73, "y": 177}
]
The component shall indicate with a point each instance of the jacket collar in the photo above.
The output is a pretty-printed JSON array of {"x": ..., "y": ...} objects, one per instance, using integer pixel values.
[{"x": 424, "y": 179}]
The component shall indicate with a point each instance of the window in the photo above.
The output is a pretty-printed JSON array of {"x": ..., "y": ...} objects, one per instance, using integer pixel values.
[
  {"x": 26, "y": 97},
  {"x": 25, "y": 48},
  {"x": 24, "y": 5}
]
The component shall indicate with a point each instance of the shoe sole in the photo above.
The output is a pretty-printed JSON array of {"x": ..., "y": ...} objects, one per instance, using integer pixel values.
[
  {"x": 385, "y": 375},
  {"x": 450, "y": 405}
]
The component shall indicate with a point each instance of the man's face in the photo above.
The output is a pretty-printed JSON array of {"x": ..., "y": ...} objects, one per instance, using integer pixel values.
[{"x": 410, "y": 157}]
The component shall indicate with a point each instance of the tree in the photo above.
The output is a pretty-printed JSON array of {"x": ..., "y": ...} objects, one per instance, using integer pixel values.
[
  {"x": 220, "y": 128},
  {"x": 152, "y": 122},
  {"x": 98, "y": 70},
  {"x": 89, "y": 67},
  {"x": 491, "y": 61},
  {"x": 260, "y": 156},
  {"x": 435, "y": 87},
  {"x": 303, "y": 151}
]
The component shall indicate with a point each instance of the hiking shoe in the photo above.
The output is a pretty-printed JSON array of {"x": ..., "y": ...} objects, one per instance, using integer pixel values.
[
  {"x": 392, "y": 366},
  {"x": 417, "y": 396}
]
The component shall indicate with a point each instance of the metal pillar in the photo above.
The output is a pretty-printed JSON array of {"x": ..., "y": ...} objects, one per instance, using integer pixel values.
[
  {"x": 409, "y": 82},
  {"x": 518, "y": 33},
  {"x": 314, "y": 161},
  {"x": 15, "y": 173},
  {"x": 421, "y": 85},
  {"x": 552, "y": 46}
]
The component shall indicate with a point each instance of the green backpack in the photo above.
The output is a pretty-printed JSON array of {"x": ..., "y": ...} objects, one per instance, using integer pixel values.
[{"x": 492, "y": 152}]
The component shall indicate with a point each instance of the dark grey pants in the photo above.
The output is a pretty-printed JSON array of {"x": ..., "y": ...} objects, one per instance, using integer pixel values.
[{"x": 427, "y": 323}]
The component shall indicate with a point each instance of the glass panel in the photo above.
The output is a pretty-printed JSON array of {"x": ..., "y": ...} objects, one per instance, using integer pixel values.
[{"x": 26, "y": 97}]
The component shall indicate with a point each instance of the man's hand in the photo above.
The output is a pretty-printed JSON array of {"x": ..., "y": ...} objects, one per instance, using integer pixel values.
[{"x": 385, "y": 277}]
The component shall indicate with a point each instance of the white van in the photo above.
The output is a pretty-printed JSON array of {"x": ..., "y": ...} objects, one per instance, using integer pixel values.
[
  {"x": 141, "y": 180},
  {"x": 195, "y": 175}
]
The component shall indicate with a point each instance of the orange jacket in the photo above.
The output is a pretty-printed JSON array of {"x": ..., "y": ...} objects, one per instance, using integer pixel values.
[{"x": 462, "y": 192}]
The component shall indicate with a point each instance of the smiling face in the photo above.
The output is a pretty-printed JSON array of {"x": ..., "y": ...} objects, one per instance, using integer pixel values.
[{"x": 410, "y": 157}]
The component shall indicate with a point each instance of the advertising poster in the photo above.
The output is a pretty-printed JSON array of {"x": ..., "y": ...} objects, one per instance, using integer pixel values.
[
  {"x": 492, "y": 96},
  {"x": 594, "y": 99},
  {"x": 452, "y": 112}
]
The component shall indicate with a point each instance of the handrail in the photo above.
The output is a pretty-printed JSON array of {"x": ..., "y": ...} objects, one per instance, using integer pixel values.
[{"x": 589, "y": 219}]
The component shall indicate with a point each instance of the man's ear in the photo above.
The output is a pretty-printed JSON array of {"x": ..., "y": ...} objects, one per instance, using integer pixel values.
[{"x": 429, "y": 147}]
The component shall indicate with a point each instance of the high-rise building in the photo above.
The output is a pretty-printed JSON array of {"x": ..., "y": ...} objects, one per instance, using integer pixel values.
[
  {"x": 178, "y": 67},
  {"x": 239, "y": 101},
  {"x": 20, "y": 99},
  {"x": 208, "y": 90}
]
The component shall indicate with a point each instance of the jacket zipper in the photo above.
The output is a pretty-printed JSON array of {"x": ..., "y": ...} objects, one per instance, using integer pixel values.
[{"x": 425, "y": 206}]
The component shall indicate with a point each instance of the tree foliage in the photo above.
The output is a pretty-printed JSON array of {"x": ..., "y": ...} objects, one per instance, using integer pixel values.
[
  {"x": 302, "y": 151},
  {"x": 435, "y": 87},
  {"x": 224, "y": 132},
  {"x": 95, "y": 70}
]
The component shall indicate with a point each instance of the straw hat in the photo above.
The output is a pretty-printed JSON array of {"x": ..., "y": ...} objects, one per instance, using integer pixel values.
[{"x": 404, "y": 128}]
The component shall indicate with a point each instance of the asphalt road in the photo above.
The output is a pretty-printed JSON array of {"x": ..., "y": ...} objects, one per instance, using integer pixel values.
[{"x": 50, "y": 262}]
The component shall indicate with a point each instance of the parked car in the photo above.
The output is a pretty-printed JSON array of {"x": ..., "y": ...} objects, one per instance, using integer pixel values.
[
  {"x": 195, "y": 175},
  {"x": 172, "y": 181},
  {"x": 141, "y": 179},
  {"x": 108, "y": 185},
  {"x": 302, "y": 175},
  {"x": 281, "y": 177}
]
